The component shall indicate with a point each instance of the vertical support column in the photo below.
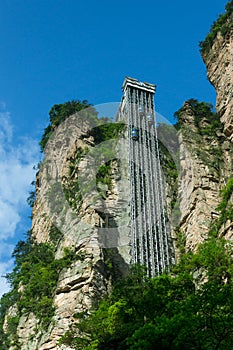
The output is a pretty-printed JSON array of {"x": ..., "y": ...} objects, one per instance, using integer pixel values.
[
  {"x": 132, "y": 172},
  {"x": 149, "y": 236}
]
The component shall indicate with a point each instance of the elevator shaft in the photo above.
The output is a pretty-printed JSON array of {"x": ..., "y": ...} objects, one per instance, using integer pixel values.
[{"x": 149, "y": 233}]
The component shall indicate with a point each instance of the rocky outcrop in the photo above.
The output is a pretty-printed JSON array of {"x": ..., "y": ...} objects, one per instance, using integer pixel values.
[
  {"x": 94, "y": 217},
  {"x": 219, "y": 64},
  {"x": 206, "y": 163},
  {"x": 91, "y": 217},
  {"x": 205, "y": 167}
]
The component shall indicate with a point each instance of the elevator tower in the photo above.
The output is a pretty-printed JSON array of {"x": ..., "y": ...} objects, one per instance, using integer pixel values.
[{"x": 149, "y": 234}]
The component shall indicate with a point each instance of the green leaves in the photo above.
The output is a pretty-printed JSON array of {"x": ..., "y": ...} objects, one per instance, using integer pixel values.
[
  {"x": 34, "y": 280},
  {"x": 191, "y": 308},
  {"x": 59, "y": 112},
  {"x": 223, "y": 25},
  {"x": 201, "y": 111},
  {"x": 106, "y": 131}
]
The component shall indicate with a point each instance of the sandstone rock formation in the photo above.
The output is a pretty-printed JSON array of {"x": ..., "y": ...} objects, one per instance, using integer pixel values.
[
  {"x": 219, "y": 64},
  {"x": 83, "y": 216},
  {"x": 205, "y": 167}
]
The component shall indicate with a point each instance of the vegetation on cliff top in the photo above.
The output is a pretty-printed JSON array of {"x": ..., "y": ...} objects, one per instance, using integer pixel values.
[
  {"x": 223, "y": 24},
  {"x": 58, "y": 113},
  {"x": 104, "y": 128},
  {"x": 206, "y": 119},
  {"x": 189, "y": 308},
  {"x": 208, "y": 128}
]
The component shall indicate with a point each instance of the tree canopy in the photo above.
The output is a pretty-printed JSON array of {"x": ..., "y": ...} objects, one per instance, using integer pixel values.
[
  {"x": 58, "y": 113},
  {"x": 223, "y": 24},
  {"x": 189, "y": 308},
  {"x": 201, "y": 111}
]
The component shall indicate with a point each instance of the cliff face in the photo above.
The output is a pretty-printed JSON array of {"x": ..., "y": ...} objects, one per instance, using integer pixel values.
[
  {"x": 219, "y": 64},
  {"x": 80, "y": 211},
  {"x": 206, "y": 160},
  {"x": 92, "y": 218},
  {"x": 205, "y": 167}
]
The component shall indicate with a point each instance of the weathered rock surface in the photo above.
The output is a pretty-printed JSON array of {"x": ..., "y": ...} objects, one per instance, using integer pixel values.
[
  {"x": 206, "y": 165},
  {"x": 219, "y": 63},
  {"x": 96, "y": 223},
  {"x": 99, "y": 221}
]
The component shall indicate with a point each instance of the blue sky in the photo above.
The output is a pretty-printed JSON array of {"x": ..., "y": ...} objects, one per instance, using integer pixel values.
[{"x": 52, "y": 51}]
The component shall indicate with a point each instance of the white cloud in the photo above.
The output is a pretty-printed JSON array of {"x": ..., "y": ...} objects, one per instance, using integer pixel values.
[
  {"x": 6, "y": 249},
  {"x": 6, "y": 128},
  {"x": 9, "y": 218},
  {"x": 17, "y": 159},
  {"x": 5, "y": 267},
  {"x": 15, "y": 177},
  {"x": 16, "y": 174}
]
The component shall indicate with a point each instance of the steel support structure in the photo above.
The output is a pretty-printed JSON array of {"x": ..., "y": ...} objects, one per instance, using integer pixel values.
[{"x": 149, "y": 234}]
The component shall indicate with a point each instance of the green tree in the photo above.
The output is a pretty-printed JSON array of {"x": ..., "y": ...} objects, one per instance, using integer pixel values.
[
  {"x": 59, "y": 112},
  {"x": 189, "y": 308},
  {"x": 33, "y": 282},
  {"x": 170, "y": 311},
  {"x": 201, "y": 110},
  {"x": 223, "y": 25}
]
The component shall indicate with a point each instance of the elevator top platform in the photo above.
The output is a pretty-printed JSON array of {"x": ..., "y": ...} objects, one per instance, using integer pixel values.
[{"x": 138, "y": 85}]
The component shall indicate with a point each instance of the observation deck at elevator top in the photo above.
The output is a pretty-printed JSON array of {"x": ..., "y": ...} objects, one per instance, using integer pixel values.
[
  {"x": 136, "y": 84},
  {"x": 132, "y": 84}
]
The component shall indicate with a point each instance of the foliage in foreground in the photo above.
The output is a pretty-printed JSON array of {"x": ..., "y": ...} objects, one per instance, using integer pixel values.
[
  {"x": 173, "y": 311},
  {"x": 189, "y": 308},
  {"x": 33, "y": 282}
]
